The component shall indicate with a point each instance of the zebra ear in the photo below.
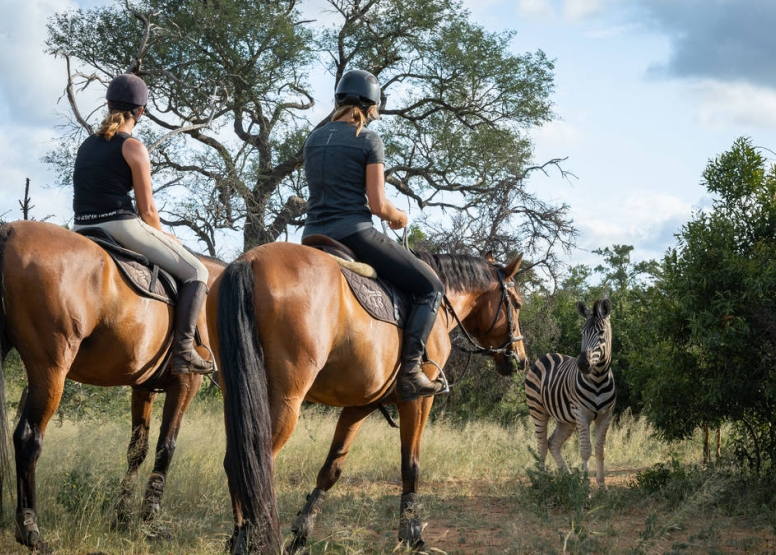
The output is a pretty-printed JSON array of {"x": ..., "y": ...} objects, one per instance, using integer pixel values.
[
  {"x": 489, "y": 257},
  {"x": 603, "y": 308},
  {"x": 512, "y": 267},
  {"x": 583, "y": 310}
]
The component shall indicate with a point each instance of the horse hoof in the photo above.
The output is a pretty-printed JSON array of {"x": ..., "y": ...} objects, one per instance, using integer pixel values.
[
  {"x": 155, "y": 531},
  {"x": 27, "y": 533},
  {"x": 41, "y": 548},
  {"x": 298, "y": 546},
  {"x": 122, "y": 518},
  {"x": 419, "y": 547}
]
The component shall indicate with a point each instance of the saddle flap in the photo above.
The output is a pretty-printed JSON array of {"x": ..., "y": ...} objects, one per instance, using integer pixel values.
[{"x": 147, "y": 279}]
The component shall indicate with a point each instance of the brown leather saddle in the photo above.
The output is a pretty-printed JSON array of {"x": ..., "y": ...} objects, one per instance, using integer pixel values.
[
  {"x": 380, "y": 298},
  {"x": 146, "y": 278}
]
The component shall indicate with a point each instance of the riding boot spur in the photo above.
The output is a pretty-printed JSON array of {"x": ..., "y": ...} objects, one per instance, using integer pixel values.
[
  {"x": 185, "y": 358},
  {"x": 413, "y": 383}
]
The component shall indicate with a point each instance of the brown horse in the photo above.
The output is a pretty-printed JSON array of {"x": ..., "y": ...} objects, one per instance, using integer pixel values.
[
  {"x": 290, "y": 330},
  {"x": 70, "y": 313}
]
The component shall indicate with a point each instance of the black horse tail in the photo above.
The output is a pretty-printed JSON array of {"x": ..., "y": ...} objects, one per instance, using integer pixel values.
[
  {"x": 5, "y": 346},
  {"x": 248, "y": 461}
]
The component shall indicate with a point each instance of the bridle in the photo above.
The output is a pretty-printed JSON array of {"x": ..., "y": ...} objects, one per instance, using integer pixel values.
[{"x": 506, "y": 303}]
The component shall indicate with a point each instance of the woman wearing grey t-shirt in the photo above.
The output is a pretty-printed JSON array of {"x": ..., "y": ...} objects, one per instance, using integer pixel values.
[{"x": 344, "y": 166}]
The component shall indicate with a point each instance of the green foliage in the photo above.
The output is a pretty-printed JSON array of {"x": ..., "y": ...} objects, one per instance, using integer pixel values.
[
  {"x": 557, "y": 489},
  {"x": 714, "y": 349},
  {"x": 77, "y": 489},
  {"x": 672, "y": 481}
]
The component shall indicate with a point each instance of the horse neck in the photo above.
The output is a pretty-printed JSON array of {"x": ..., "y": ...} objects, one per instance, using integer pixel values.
[{"x": 463, "y": 304}]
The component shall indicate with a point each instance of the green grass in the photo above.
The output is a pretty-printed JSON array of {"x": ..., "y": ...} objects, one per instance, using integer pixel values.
[{"x": 481, "y": 492}]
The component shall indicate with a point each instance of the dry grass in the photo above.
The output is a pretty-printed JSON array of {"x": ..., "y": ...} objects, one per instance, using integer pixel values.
[{"x": 473, "y": 489}]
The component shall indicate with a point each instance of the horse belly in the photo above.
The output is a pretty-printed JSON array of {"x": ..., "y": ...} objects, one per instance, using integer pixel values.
[
  {"x": 362, "y": 366},
  {"x": 125, "y": 354}
]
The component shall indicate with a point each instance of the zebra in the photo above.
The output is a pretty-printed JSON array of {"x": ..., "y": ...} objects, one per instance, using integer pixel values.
[{"x": 575, "y": 391}]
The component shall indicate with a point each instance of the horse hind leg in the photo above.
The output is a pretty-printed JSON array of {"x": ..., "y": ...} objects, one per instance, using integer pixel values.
[
  {"x": 348, "y": 425},
  {"x": 142, "y": 402},
  {"x": 177, "y": 400},
  {"x": 39, "y": 407}
]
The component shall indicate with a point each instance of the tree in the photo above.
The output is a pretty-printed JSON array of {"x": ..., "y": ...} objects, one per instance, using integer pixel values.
[
  {"x": 232, "y": 100},
  {"x": 714, "y": 354}
]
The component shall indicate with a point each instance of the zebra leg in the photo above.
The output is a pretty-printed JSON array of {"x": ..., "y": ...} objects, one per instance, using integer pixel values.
[
  {"x": 585, "y": 448},
  {"x": 601, "y": 427},
  {"x": 540, "y": 420},
  {"x": 562, "y": 432}
]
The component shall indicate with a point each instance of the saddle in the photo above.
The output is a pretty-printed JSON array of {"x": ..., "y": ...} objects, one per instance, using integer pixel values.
[
  {"x": 146, "y": 278},
  {"x": 380, "y": 298}
]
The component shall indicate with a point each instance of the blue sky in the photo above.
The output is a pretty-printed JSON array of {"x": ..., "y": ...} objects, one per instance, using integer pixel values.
[{"x": 647, "y": 91}]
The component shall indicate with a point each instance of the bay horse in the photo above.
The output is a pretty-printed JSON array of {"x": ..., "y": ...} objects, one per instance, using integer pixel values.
[
  {"x": 70, "y": 313},
  {"x": 286, "y": 328}
]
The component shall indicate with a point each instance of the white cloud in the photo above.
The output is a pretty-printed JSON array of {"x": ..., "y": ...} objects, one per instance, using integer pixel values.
[
  {"x": 721, "y": 105},
  {"x": 576, "y": 10},
  {"x": 557, "y": 136},
  {"x": 536, "y": 9},
  {"x": 642, "y": 219},
  {"x": 30, "y": 86}
]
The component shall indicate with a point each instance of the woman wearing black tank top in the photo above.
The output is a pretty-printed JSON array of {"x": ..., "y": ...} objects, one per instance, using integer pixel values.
[
  {"x": 109, "y": 165},
  {"x": 344, "y": 167}
]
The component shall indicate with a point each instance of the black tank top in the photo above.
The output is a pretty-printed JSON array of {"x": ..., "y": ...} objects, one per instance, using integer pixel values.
[{"x": 102, "y": 180}]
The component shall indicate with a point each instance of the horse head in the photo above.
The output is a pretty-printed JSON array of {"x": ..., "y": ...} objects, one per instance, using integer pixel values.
[{"x": 496, "y": 323}]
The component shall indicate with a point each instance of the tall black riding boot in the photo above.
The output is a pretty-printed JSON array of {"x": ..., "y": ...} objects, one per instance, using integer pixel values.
[
  {"x": 413, "y": 383},
  {"x": 185, "y": 358}
]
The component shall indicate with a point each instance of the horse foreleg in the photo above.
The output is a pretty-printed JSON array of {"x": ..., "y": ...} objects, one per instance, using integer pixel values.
[
  {"x": 177, "y": 400},
  {"x": 142, "y": 402},
  {"x": 413, "y": 417},
  {"x": 348, "y": 425},
  {"x": 40, "y": 406}
]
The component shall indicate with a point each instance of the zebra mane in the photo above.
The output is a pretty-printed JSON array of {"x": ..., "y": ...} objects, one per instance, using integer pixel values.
[{"x": 460, "y": 272}]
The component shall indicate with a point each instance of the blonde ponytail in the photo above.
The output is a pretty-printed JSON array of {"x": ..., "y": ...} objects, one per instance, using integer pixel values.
[
  {"x": 355, "y": 116},
  {"x": 112, "y": 123}
]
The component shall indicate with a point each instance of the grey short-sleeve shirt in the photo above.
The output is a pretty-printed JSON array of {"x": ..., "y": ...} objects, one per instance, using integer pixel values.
[{"x": 335, "y": 162}]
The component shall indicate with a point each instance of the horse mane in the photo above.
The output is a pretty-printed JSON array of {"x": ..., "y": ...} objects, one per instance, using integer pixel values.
[{"x": 460, "y": 272}]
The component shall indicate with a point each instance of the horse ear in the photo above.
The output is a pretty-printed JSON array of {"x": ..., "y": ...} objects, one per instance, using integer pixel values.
[
  {"x": 512, "y": 268},
  {"x": 583, "y": 310},
  {"x": 489, "y": 257}
]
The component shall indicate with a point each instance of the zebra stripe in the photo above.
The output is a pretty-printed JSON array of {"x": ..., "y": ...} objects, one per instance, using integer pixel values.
[{"x": 575, "y": 391}]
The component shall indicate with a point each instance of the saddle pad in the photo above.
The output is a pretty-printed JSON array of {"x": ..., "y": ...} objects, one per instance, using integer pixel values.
[
  {"x": 379, "y": 298},
  {"x": 147, "y": 281},
  {"x": 146, "y": 278}
]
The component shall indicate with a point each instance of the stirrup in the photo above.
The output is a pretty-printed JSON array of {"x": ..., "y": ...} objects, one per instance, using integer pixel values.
[
  {"x": 440, "y": 383},
  {"x": 189, "y": 366}
]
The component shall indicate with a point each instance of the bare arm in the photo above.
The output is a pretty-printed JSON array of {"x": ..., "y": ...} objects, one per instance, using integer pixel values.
[
  {"x": 381, "y": 206},
  {"x": 136, "y": 155}
]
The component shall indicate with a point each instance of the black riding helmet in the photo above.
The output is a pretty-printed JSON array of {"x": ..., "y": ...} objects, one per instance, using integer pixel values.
[
  {"x": 127, "y": 92},
  {"x": 357, "y": 88}
]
